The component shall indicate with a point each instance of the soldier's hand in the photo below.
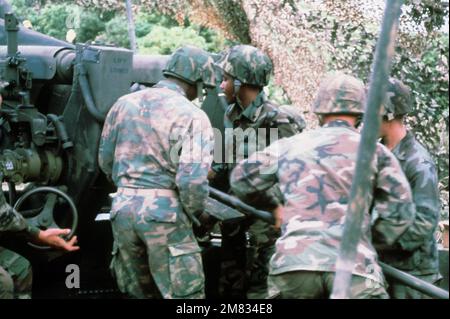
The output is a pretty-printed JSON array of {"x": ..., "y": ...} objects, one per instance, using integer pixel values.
[
  {"x": 207, "y": 221},
  {"x": 207, "y": 224},
  {"x": 211, "y": 174},
  {"x": 278, "y": 215},
  {"x": 52, "y": 237}
]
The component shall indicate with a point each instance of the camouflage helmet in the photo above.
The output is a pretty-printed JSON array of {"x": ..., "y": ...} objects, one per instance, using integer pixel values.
[
  {"x": 247, "y": 64},
  {"x": 398, "y": 99},
  {"x": 340, "y": 94},
  {"x": 191, "y": 65}
]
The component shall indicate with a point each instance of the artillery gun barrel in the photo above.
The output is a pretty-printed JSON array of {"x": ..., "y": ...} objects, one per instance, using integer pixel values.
[
  {"x": 237, "y": 203},
  {"x": 147, "y": 68},
  {"x": 411, "y": 281}
]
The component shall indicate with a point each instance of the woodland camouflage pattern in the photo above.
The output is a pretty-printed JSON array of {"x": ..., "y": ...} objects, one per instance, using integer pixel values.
[
  {"x": 315, "y": 171},
  {"x": 12, "y": 221},
  {"x": 260, "y": 114},
  {"x": 319, "y": 284},
  {"x": 419, "y": 253},
  {"x": 247, "y": 64},
  {"x": 139, "y": 150},
  {"x": 253, "y": 128},
  {"x": 341, "y": 94},
  {"x": 15, "y": 275},
  {"x": 14, "y": 266},
  {"x": 192, "y": 65},
  {"x": 398, "y": 99},
  {"x": 169, "y": 265}
]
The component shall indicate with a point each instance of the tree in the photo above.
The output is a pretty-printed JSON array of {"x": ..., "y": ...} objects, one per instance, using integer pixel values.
[{"x": 162, "y": 40}]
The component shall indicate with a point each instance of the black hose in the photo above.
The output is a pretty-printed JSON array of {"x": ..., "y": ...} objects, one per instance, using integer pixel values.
[
  {"x": 221, "y": 97},
  {"x": 87, "y": 95},
  {"x": 12, "y": 193},
  {"x": 60, "y": 131}
]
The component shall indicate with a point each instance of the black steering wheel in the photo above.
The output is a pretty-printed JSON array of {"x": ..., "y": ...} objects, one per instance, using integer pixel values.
[{"x": 45, "y": 219}]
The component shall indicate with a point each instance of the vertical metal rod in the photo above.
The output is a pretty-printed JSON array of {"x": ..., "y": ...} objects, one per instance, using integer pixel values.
[
  {"x": 131, "y": 29},
  {"x": 361, "y": 186},
  {"x": 11, "y": 28}
]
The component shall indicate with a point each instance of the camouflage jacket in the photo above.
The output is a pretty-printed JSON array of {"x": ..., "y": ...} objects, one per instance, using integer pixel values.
[
  {"x": 315, "y": 180},
  {"x": 156, "y": 138},
  {"x": 260, "y": 114},
  {"x": 419, "y": 253},
  {"x": 252, "y": 129},
  {"x": 12, "y": 221}
]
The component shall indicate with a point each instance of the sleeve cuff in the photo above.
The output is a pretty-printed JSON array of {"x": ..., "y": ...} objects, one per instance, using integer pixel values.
[{"x": 33, "y": 231}]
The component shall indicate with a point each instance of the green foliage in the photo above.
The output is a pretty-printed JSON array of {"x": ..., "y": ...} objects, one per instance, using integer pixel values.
[
  {"x": 116, "y": 31},
  {"x": 427, "y": 76},
  {"x": 276, "y": 93},
  {"x": 430, "y": 13},
  {"x": 24, "y": 11},
  {"x": 352, "y": 44},
  {"x": 56, "y": 19},
  {"x": 421, "y": 62},
  {"x": 155, "y": 32},
  {"x": 145, "y": 21},
  {"x": 52, "y": 20},
  {"x": 89, "y": 26},
  {"x": 162, "y": 40},
  {"x": 215, "y": 42},
  {"x": 160, "y": 34}
]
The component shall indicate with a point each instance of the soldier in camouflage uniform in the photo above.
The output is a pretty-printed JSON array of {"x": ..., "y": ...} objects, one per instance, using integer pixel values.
[
  {"x": 156, "y": 146},
  {"x": 19, "y": 273},
  {"x": 15, "y": 271},
  {"x": 420, "y": 256},
  {"x": 315, "y": 171},
  {"x": 246, "y": 70}
]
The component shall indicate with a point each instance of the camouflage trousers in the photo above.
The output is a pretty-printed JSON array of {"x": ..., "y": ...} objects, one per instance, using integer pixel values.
[
  {"x": 15, "y": 276},
  {"x": 264, "y": 238},
  {"x": 319, "y": 285},
  {"x": 155, "y": 253},
  {"x": 245, "y": 264},
  {"x": 399, "y": 291}
]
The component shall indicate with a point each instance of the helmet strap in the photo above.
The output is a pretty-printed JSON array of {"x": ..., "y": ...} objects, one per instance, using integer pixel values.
[
  {"x": 359, "y": 120},
  {"x": 200, "y": 91},
  {"x": 390, "y": 116},
  {"x": 320, "y": 118},
  {"x": 236, "y": 87}
]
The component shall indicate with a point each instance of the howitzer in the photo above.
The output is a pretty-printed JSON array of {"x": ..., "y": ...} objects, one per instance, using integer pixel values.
[{"x": 55, "y": 98}]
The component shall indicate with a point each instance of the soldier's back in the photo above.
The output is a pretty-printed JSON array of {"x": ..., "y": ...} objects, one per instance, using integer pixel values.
[
  {"x": 315, "y": 173},
  {"x": 152, "y": 123}
]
